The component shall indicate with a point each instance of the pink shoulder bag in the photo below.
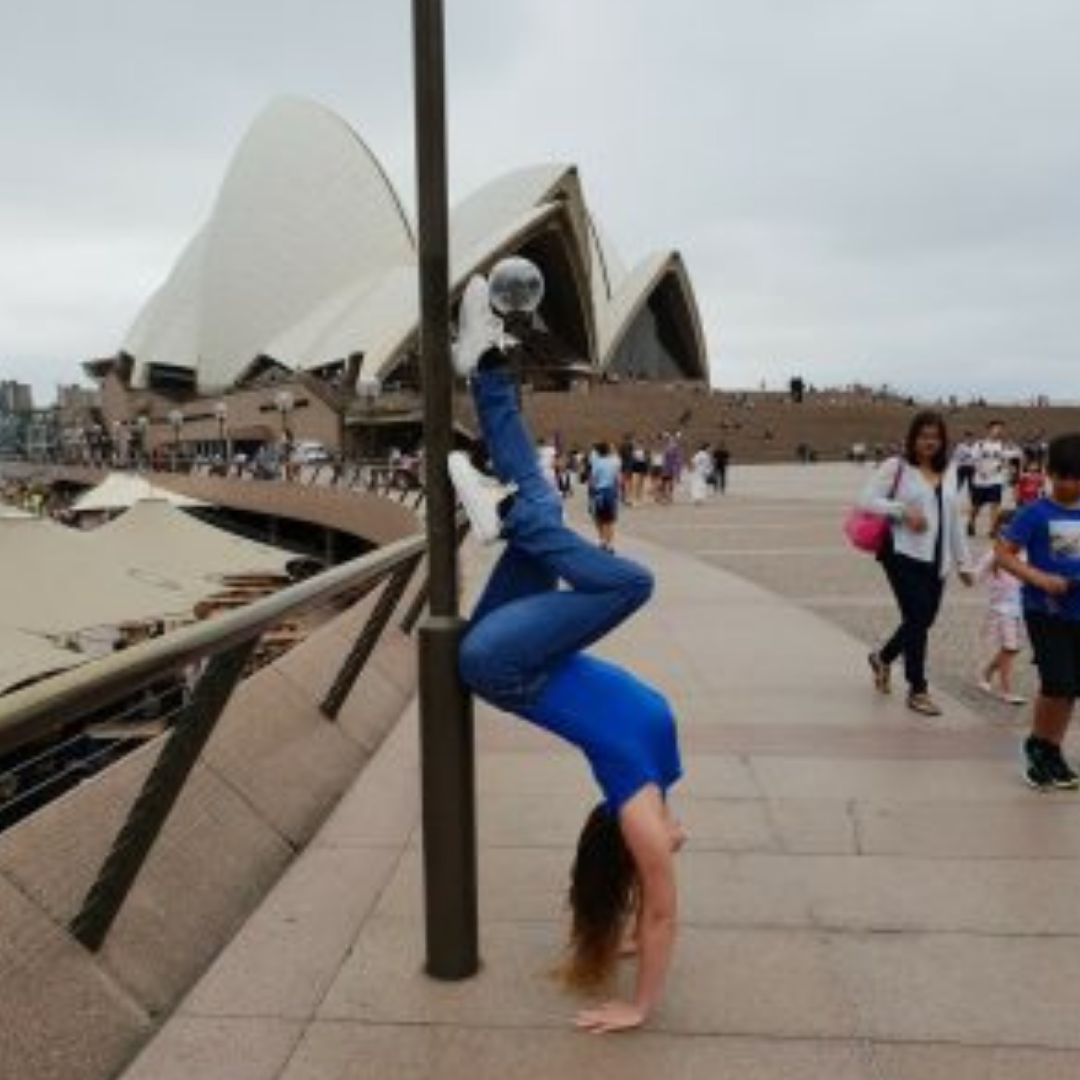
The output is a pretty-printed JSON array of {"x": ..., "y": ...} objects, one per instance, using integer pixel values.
[{"x": 868, "y": 531}]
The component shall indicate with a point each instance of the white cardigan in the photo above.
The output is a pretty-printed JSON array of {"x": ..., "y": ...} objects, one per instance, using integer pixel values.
[{"x": 914, "y": 491}]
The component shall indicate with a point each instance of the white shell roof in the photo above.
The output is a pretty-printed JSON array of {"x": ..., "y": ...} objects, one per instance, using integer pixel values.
[
  {"x": 308, "y": 257},
  {"x": 167, "y": 329},
  {"x": 488, "y": 210}
]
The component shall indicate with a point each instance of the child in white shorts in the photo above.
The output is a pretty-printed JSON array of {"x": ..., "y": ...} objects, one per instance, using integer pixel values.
[{"x": 1003, "y": 628}]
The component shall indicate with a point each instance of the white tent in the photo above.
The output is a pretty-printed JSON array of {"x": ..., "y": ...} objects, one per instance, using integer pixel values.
[
  {"x": 154, "y": 562},
  {"x": 120, "y": 491},
  {"x": 154, "y": 538},
  {"x": 25, "y": 656}
]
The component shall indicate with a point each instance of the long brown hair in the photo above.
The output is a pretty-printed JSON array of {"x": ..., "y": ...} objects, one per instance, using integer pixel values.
[
  {"x": 603, "y": 895},
  {"x": 928, "y": 419}
]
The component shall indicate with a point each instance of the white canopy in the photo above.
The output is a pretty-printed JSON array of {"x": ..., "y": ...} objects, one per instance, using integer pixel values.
[
  {"x": 24, "y": 656},
  {"x": 153, "y": 562},
  {"x": 119, "y": 491}
]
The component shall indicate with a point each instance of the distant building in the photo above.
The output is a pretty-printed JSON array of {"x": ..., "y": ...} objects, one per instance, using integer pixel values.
[
  {"x": 16, "y": 397},
  {"x": 75, "y": 400},
  {"x": 303, "y": 286}
]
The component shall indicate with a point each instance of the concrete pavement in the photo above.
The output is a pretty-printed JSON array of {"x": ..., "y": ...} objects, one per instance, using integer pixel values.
[{"x": 866, "y": 895}]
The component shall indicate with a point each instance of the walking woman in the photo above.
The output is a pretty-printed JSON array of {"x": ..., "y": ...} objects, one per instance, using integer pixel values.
[
  {"x": 604, "y": 467},
  {"x": 523, "y": 652},
  {"x": 917, "y": 491}
]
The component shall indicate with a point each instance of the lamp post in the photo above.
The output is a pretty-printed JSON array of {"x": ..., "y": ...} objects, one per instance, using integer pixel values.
[
  {"x": 221, "y": 411},
  {"x": 283, "y": 402},
  {"x": 368, "y": 388},
  {"x": 142, "y": 423},
  {"x": 176, "y": 422},
  {"x": 97, "y": 444},
  {"x": 446, "y": 721}
]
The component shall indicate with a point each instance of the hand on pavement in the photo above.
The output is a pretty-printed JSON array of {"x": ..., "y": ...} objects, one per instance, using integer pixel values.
[{"x": 610, "y": 1017}]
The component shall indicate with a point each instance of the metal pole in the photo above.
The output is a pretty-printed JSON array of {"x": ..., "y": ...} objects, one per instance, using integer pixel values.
[{"x": 446, "y": 722}]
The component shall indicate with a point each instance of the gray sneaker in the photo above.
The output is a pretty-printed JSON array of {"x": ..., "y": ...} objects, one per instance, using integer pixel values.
[
  {"x": 480, "y": 497},
  {"x": 479, "y": 328}
]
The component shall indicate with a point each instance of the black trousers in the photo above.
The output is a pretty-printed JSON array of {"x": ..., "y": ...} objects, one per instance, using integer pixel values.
[{"x": 918, "y": 587}]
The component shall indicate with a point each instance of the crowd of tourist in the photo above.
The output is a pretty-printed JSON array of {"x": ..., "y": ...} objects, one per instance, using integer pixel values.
[{"x": 633, "y": 472}]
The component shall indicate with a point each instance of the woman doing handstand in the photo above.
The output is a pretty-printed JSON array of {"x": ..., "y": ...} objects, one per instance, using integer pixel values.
[{"x": 524, "y": 653}]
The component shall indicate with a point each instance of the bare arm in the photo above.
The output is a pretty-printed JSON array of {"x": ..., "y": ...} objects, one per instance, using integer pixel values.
[
  {"x": 648, "y": 835},
  {"x": 878, "y": 497},
  {"x": 1008, "y": 558}
]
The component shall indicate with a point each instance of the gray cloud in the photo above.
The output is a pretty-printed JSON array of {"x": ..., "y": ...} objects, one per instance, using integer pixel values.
[{"x": 872, "y": 189}]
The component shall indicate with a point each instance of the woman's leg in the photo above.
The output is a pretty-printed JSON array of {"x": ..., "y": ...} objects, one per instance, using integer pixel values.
[
  {"x": 534, "y": 523},
  {"x": 515, "y": 643},
  {"x": 515, "y": 576},
  {"x": 925, "y": 598},
  {"x": 509, "y": 444},
  {"x": 893, "y": 649},
  {"x": 918, "y": 595}
]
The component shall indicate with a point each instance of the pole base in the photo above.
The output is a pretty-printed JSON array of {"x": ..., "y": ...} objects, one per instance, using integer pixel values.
[{"x": 448, "y": 778}]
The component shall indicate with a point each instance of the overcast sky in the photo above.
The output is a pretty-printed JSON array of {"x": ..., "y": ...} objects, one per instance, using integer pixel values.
[{"x": 873, "y": 190}]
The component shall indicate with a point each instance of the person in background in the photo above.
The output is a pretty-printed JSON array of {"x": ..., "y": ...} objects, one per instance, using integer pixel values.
[
  {"x": 1048, "y": 532},
  {"x": 1014, "y": 465},
  {"x": 988, "y": 481},
  {"x": 545, "y": 456},
  {"x": 626, "y": 470},
  {"x": 964, "y": 460},
  {"x": 641, "y": 471},
  {"x": 671, "y": 468},
  {"x": 604, "y": 492},
  {"x": 656, "y": 467},
  {"x": 721, "y": 461},
  {"x": 1032, "y": 482},
  {"x": 916, "y": 491},
  {"x": 701, "y": 468},
  {"x": 564, "y": 476},
  {"x": 1003, "y": 628}
]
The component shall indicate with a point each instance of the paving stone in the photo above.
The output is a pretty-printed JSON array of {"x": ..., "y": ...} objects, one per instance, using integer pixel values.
[
  {"x": 217, "y": 1048},
  {"x": 346, "y": 1052}
]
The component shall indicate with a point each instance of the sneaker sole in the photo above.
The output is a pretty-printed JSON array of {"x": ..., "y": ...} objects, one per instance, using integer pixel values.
[
  {"x": 1036, "y": 786},
  {"x": 462, "y": 477}
]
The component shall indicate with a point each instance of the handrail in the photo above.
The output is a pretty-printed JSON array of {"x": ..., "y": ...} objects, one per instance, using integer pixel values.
[{"x": 47, "y": 706}]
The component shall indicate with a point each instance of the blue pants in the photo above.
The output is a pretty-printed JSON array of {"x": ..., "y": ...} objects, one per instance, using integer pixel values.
[{"x": 522, "y": 650}]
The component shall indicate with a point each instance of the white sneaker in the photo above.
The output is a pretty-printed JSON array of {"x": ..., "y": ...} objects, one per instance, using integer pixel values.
[
  {"x": 479, "y": 328},
  {"x": 987, "y": 688},
  {"x": 480, "y": 496}
]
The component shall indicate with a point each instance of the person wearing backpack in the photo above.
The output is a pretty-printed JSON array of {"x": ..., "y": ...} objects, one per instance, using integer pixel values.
[{"x": 917, "y": 492}]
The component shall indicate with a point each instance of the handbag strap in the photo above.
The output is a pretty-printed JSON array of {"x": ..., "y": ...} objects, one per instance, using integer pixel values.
[{"x": 896, "y": 478}]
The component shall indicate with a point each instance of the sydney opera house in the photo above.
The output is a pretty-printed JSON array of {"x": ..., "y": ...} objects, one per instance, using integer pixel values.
[{"x": 294, "y": 307}]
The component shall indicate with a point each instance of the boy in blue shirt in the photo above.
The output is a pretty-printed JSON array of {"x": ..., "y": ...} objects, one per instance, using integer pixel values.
[{"x": 1048, "y": 532}]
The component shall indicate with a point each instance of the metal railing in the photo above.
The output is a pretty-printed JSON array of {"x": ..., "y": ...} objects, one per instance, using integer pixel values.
[
  {"x": 226, "y": 645},
  {"x": 378, "y": 476}
]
